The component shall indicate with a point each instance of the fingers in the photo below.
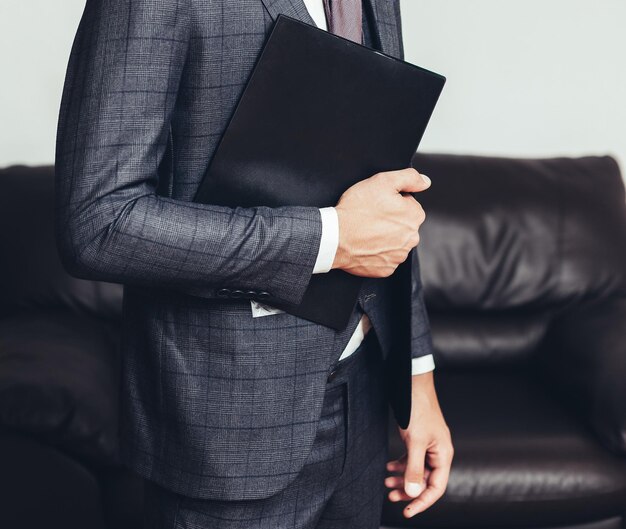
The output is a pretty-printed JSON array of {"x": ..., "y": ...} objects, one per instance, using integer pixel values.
[
  {"x": 435, "y": 478},
  {"x": 396, "y": 483},
  {"x": 436, "y": 486},
  {"x": 412, "y": 475},
  {"x": 398, "y": 465},
  {"x": 414, "y": 472},
  {"x": 407, "y": 180}
]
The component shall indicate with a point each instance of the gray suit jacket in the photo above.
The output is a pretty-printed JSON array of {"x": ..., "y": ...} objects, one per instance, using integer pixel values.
[{"x": 214, "y": 403}]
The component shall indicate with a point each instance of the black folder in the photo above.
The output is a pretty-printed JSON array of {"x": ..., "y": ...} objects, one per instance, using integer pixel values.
[{"x": 318, "y": 114}]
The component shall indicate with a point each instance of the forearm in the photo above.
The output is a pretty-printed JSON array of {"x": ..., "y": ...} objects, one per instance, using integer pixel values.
[{"x": 160, "y": 242}]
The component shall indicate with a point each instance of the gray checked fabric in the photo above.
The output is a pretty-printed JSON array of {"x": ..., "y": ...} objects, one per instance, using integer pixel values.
[
  {"x": 214, "y": 403},
  {"x": 340, "y": 486}
]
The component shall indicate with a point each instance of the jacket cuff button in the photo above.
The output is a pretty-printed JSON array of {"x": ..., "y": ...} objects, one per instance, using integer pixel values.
[{"x": 223, "y": 293}]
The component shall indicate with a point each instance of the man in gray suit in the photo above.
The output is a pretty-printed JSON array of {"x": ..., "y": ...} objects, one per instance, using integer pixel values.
[{"x": 238, "y": 415}]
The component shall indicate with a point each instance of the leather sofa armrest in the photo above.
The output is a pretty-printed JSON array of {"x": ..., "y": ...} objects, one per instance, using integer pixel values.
[
  {"x": 584, "y": 361},
  {"x": 59, "y": 382},
  {"x": 44, "y": 487}
]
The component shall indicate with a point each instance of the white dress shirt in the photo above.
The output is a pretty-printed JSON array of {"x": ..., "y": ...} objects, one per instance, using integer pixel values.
[{"x": 329, "y": 244}]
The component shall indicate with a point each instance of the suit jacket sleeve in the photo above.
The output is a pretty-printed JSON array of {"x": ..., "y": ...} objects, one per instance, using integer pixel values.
[
  {"x": 421, "y": 337},
  {"x": 119, "y": 96}
]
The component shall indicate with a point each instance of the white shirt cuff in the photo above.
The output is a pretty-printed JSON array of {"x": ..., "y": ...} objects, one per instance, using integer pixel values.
[
  {"x": 329, "y": 242},
  {"x": 422, "y": 364}
]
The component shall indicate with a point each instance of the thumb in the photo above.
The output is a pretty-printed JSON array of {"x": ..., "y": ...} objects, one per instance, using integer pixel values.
[
  {"x": 414, "y": 473},
  {"x": 409, "y": 181}
]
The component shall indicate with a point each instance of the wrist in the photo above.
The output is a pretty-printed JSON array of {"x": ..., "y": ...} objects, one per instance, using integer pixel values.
[{"x": 423, "y": 384}]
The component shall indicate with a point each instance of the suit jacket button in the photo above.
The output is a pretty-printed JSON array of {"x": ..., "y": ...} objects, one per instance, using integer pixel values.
[
  {"x": 223, "y": 293},
  {"x": 236, "y": 294},
  {"x": 251, "y": 294},
  {"x": 264, "y": 295}
]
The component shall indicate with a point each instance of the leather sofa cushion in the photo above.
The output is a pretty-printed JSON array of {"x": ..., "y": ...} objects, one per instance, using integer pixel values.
[
  {"x": 521, "y": 459},
  {"x": 479, "y": 339},
  {"x": 31, "y": 273},
  {"x": 58, "y": 380}
]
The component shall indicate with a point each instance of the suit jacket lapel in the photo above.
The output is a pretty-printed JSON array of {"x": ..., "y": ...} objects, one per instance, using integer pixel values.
[
  {"x": 386, "y": 26},
  {"x": 293, "y": 8}
]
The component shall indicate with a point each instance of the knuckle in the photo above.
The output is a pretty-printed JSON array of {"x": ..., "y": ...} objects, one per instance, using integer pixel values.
[
  {"x": 446, "y": 452},
  {"x": 411, "y": 243},
  {"x": 422, "y": 212},
  {"x": 419, "y": 209},
  {"x": 376, "y": 178},
  {"x": 388, "y": 271},
  {"x": 381, "y": 272},
  {"x": 438, "y": 493}
]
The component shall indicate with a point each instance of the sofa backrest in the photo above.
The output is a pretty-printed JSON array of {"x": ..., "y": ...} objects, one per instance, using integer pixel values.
[
  {"x": 31, "y": 274},
  {"x": 507, "y": 243}
]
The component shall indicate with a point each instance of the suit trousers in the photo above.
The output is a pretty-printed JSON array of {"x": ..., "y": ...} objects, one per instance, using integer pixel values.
[{"x": 341, "y": 485}]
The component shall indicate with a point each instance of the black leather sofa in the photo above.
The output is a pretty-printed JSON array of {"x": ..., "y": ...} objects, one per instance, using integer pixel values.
[{"x": 524, "y": 270}]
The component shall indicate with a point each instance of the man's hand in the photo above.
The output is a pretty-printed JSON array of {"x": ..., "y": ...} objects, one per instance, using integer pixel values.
[
  {"x": 379, "y": 222},
  {"x": 423, "y": 471}
]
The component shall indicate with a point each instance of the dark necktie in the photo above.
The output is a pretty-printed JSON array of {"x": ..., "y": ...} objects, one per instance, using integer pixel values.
[{"x": 345, "y": 18}]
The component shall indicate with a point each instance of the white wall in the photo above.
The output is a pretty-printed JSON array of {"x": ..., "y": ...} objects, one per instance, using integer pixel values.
[
  {"x": 531, "y": 77},
  {"x": 35, "y": 41}
]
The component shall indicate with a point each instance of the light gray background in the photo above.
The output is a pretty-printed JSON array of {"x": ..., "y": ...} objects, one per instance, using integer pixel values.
[{"x": 525, "y": 78}]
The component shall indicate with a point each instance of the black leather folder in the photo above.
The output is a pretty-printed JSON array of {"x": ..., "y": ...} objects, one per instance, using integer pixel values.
[{"x": 318, "y": 114}]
